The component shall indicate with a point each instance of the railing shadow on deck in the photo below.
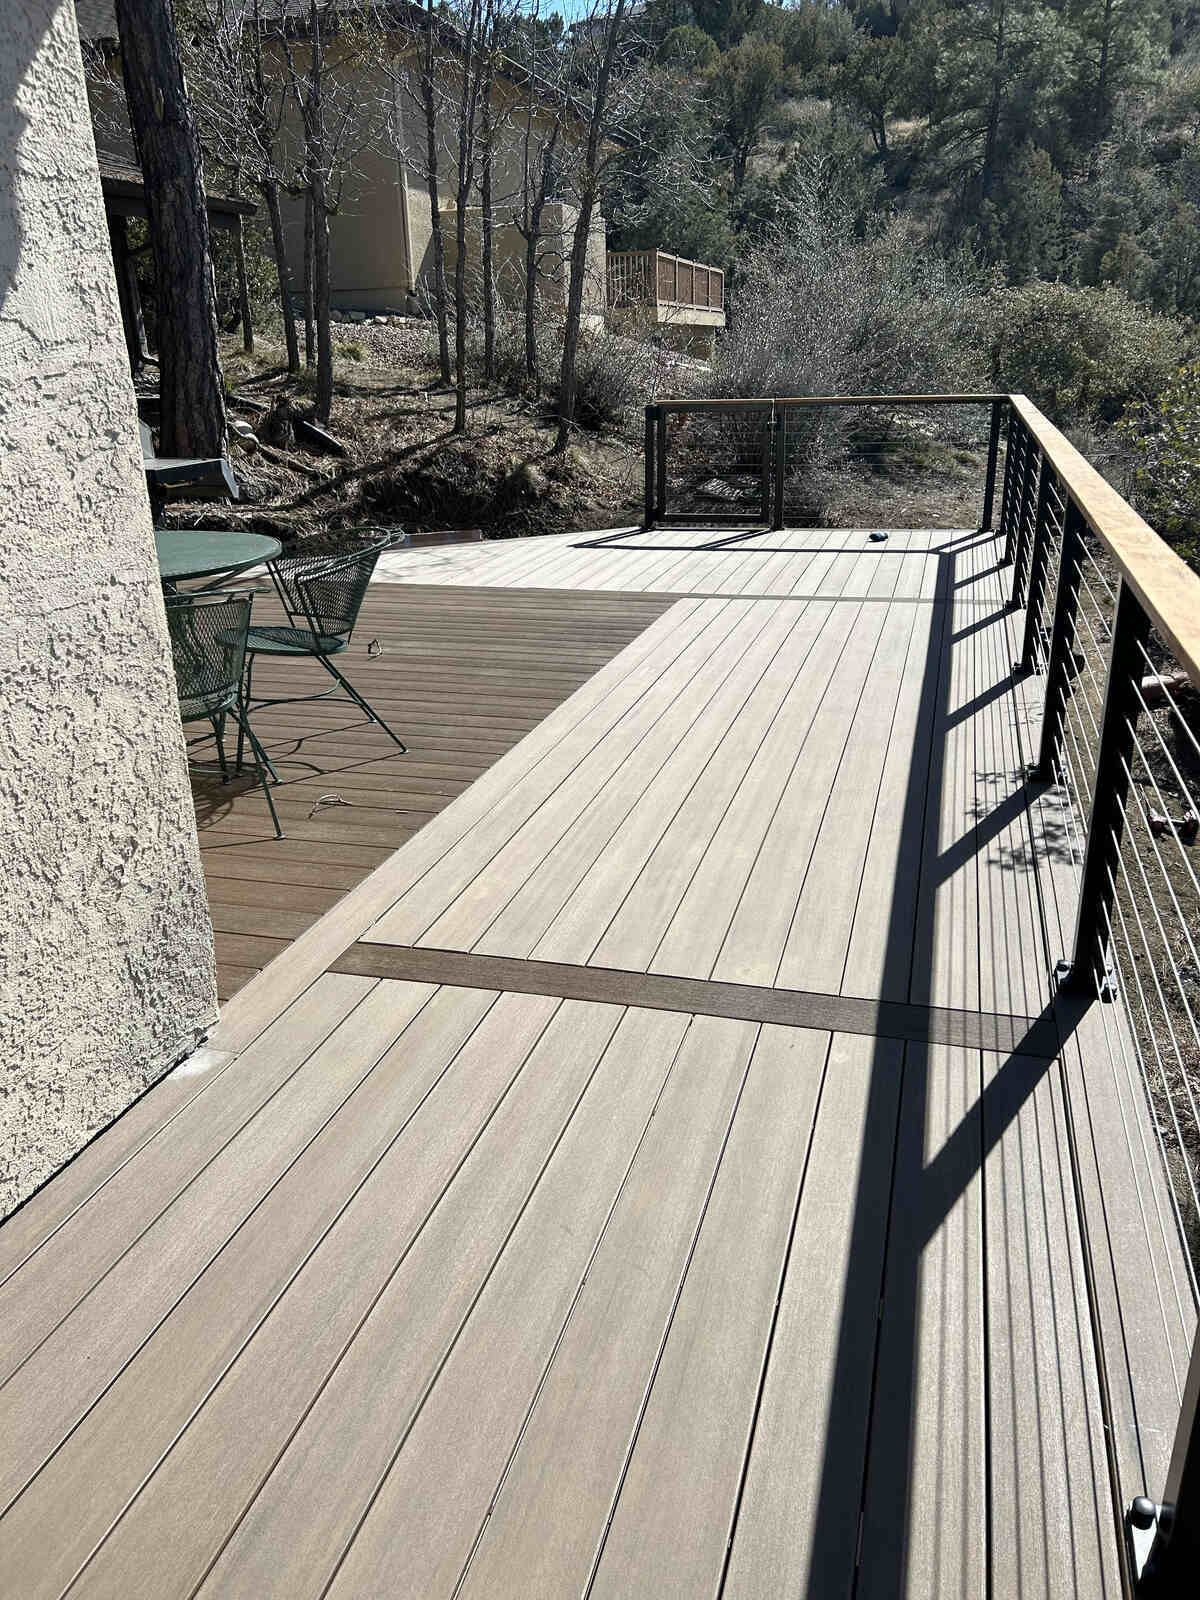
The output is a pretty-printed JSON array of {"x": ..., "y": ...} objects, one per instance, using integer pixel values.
[
  {"x": 1057, "y": 517},
  {"x": 870, "y": 1474}
]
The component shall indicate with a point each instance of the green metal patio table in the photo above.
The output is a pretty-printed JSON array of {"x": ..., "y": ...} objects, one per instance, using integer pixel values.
[{"x": 209, "y": 552}]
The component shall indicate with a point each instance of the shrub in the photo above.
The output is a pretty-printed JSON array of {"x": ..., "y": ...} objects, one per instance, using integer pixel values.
[
  {"x": 817, "y": 309},
  {"x": 1162, "y": 440},
  {"x": 609, "y": 380},
  {"x": 1084, "y": 352}
]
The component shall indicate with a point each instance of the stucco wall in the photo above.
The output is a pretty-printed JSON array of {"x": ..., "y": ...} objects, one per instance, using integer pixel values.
[
  {"x": 106, "y": 964},
  {"x": 386, "y": 192}
]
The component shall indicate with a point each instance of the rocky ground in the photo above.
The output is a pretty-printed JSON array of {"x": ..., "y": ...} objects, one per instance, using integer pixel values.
[{"x": 403, "y": 464}]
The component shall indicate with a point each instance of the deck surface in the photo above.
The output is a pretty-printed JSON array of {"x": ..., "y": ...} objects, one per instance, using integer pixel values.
[
  {"x": 462, "y": 681},
  {"x": 665, "y": 1174}
]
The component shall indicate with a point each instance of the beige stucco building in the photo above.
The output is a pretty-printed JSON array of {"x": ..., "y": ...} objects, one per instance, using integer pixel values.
[
  {"x": 381, "y": 253},
  {"x": 381, "y": 240},
  {"x": 107, "y": 974}
]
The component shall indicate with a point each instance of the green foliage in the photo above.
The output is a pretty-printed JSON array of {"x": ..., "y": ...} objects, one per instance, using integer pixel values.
[
  {"x": 1089, "y": 352},
  {"x": 664, "y": 195},
  {"x": 871, "y": 83},
  {"x": 1162, "y": 440},
  {"x": 745, "y": 86},
  {"x": 726, "y": 21},
  {"x": 689, "y": 49}
]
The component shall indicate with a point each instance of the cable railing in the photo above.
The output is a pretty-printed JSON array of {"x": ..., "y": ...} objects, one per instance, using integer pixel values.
[
  {"x": 1108, "y": 623},
  {"x": 1111, "y": 625},
  {"x": 777, "y": 462}
]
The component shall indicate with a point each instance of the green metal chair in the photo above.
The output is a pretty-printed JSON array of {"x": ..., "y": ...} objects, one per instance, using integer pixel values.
[
  {"x": 208, "y": 646},
  {"x": 322, "y": 596}
]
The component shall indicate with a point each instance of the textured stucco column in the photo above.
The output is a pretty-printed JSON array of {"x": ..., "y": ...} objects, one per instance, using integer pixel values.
[{"x": 106, "y": 962}]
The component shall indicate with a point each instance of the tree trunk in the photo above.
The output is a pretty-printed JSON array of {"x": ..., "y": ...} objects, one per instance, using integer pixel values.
[
  {"x": 486, "y": 225},
  {"x": 127, "y": 293},
  {"x": 566, "y": 384},
  {"x": 191, "y": 390},
  {"x": 583, "y": 229},
  {"x": 270, "y": 193},
  {"x": 324, "y": 401},
  {"x": 244, "y": 310},
  {"x": 987, "y": 175},
  {"x": 429, "y": 104},
  {"x": 531, "y": 302},
  {"x": 310, "y": 302},
  {"x": 460, "y": 322}
]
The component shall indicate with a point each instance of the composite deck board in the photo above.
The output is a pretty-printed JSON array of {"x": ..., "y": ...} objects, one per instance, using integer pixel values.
[
  {"x": 675, "y": 1496},
  {"x": 1043, "y": 1407},
  {"x": 515, "y": 1268},
  {"x": 924, "y": 1527},
  {"x": 462, "y": 683},
  {"x": 797, "y": 1527}
]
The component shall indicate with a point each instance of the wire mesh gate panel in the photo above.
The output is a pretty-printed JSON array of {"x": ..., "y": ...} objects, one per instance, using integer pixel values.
[{"x": 819, "y": 462}]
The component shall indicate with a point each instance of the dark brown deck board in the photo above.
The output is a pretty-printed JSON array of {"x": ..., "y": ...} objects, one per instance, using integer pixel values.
[{"x": 463, "y": 677}]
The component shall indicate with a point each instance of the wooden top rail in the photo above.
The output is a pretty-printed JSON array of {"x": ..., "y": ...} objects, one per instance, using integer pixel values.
[{"x": 1166, "y": 586}]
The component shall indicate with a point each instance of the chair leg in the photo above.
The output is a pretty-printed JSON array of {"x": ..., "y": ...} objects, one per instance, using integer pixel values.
[
  {"x": 237, "y": 766},
  {"x": 261, "y": 764},
  {"x": 266, "y": 760},
  {"x": 219, "y": 732},
  {"x": 360, "y": 702}
]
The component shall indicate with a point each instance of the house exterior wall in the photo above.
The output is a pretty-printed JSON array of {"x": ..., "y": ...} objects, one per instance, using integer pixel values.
[
  {"x": 106, "y": 971},
  {"x": 381, "y": 240}
]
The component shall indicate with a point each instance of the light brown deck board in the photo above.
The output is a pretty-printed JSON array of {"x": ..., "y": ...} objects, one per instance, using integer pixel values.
[
  {"x": 673, "y": 1505},
  {"x": 925, "y": 1500},
  {"x": 798, "y": 1522},
  {"x": 1044, "y": 1408},
  {"x": 426, "y": 1513},
  {"x": 500, "y": 1245}
]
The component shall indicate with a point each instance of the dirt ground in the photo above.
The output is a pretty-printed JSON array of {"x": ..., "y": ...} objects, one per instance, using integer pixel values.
[
  {"x": 403, "y": 463},
  {"x": 405, "y": 467}
]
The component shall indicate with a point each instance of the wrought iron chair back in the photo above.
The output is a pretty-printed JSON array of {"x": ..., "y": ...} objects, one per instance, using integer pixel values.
[
  {"x": 325, "y": 594},
  {"x": 208, "y": 648},
  {"x": 208, "y": 634}
]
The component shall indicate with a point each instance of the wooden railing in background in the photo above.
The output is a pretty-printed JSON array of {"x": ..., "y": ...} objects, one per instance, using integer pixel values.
[{"x": 651, "y": 277}]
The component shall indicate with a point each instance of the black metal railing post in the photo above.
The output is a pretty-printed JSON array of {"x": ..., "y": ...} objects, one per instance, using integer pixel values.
[
  {"x": 1006, "y": 491},
  {"x": 1106, "y": 824},
  {"x": 1034, "y": 590},
  {"x": 1035, "y": 463},
  {"x": 660, "y": 463},
  {"x": 780, "y": 473},
  {"x": 765, "y": 497},
  {"x": 651, "y": 480},
  {"x": 1164, "y": 1539},
  {"x": 1060, "y": 656},
  {"x": 989, "y": 488}
]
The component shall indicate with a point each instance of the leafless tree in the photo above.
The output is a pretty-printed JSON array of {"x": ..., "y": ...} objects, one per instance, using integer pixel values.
[
  {"x": 545, "y": 145},
  {"x": 241, "y": 103},
  {"x": 599, "y": 59},
  {"x": 328, "y": 58}
]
